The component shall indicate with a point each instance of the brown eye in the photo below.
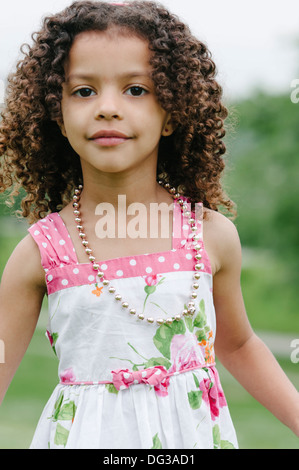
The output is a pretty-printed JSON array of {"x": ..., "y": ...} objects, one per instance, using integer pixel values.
[
  {"x": 84, "y": 92},
  {"x": 136, "y": 91}
]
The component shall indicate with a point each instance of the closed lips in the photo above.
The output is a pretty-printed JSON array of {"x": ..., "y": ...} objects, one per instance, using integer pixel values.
[{"x": 109, "y": 134}]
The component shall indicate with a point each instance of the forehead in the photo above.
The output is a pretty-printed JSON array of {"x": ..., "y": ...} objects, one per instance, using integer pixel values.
[{"x": 117, "y": 49}]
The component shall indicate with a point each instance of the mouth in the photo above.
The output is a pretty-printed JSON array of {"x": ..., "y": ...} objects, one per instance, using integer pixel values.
[{"x": 109, "y": 138}]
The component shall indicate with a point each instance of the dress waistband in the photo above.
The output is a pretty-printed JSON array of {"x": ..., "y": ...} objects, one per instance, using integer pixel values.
[{"x": 124, "y": 378}]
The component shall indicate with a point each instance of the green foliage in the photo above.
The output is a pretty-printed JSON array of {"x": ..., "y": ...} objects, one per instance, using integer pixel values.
[{"x": 263, "y": 177}]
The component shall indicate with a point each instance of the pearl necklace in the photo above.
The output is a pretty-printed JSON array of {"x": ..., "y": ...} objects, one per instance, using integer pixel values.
[{"x": 190, "y": 310}]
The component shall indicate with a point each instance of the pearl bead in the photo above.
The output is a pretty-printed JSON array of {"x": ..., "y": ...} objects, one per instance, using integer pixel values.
[
  {"x": 141, "y": 316},
  {"x": 194, "y": 295},
  {"x": 195, "y": 285},
  {"x": 100, "y": 274},
  {"x": 160, "y": 321},
  {"x": 106, "y": 282},
  {"x": 118, "y": 297},
  {"x": 132, "y": 311},
  {"x": 150, "y": 320},
  {"x": 125, "y": 305},
  {"x": 96, "y": 266},
  {"x": 111, "y": 290}
]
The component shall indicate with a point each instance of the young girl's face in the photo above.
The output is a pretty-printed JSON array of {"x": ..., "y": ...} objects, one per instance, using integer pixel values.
[{"x": 111, "y": 115}]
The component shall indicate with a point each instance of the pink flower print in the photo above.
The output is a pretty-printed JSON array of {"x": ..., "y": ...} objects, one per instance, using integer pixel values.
[
  {"x": 67, "y": 376},
  {"x": 151, "y": 280},
  {"x": 50, "y": 337},
  {"x": 185, "y": 353},
  {"x": 213, "y": 394},
  {"x": 183, "y": 356},
  {"x": 162, "y": 388}
]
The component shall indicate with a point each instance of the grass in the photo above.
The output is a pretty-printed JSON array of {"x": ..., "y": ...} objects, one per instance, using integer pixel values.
[{"x": 271, "y": 300}]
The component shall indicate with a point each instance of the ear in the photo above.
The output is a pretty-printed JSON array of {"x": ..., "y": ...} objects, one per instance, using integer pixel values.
[
  {"x": 168, "y": 128},
  {"x": 62, "y": 128}
]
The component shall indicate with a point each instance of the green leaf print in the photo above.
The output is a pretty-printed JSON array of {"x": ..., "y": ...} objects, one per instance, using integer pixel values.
[
  {"x": 189, "y": 323},
  {"x": 216, "y": 436},
  {"x": 196, "y": 380},
  {"x": 57, "y": 407},
  {"x": 67, "y": 411},
  {"x": 195, "y": 399},
  {"x": 111, "y": 388},
  {"x": 157, "y": 361},
  {"x": 64, "y": 412},
  {"x": 200, "y": 335},
  {"x": 149, "y": 289},
  {"x": 226, "y": 445},
  {"x": 218, "y": 443},
  {"x": 201, "y": 319},
  {"x": 61, "y": 435},
  {"x": 156, "y": 442},
  {"x": 164, "y": 335}
]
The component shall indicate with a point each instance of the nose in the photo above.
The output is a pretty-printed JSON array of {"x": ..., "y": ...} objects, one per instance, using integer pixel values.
[{"x": 108, "y": 106}]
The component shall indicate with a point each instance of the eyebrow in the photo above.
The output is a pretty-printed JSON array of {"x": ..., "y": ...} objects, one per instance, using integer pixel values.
[{"x": 92, "y": 77}]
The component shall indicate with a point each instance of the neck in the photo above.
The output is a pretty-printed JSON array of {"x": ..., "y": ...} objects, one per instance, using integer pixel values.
[{"x": 143, "y": 190}]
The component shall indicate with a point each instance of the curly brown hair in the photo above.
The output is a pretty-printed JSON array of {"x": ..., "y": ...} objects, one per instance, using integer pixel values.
[{"x": 36, "y": 156}]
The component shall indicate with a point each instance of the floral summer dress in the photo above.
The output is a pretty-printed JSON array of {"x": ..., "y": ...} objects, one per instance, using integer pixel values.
[{"x": 125, "y": 383}]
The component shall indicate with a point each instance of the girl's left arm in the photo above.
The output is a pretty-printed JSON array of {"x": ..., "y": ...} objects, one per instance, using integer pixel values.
[{"x": 237, "y": 347}]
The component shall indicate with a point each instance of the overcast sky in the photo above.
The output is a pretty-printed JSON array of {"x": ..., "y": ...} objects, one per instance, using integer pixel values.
[{"x": 252, "y": 42}]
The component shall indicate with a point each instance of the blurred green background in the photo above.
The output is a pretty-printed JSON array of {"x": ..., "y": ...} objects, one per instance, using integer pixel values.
[{"x": 262, "y": 178}]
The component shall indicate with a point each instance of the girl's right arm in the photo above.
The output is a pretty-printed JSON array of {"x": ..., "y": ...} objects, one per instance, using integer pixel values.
[{"x": 21, "y": 294}]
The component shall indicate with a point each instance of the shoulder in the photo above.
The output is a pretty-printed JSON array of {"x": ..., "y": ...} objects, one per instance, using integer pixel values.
[
  {"x": 221, "y": 240},
  {"x": 25, "y": 263}
]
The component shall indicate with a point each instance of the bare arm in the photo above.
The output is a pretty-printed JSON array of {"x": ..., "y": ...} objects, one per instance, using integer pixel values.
[
  {"x": 21, "y": 293},
  {"x": 246, "y": 357}
]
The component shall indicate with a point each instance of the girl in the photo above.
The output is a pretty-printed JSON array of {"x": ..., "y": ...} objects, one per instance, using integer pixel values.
[{"x": 121, "y": 100}]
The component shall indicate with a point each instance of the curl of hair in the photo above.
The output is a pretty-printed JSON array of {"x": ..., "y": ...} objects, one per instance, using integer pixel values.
[{"x": 35, "y": 155}]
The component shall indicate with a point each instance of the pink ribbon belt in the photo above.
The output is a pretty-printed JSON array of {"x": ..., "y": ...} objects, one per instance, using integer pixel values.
[{"x": 124, "y": 378}]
